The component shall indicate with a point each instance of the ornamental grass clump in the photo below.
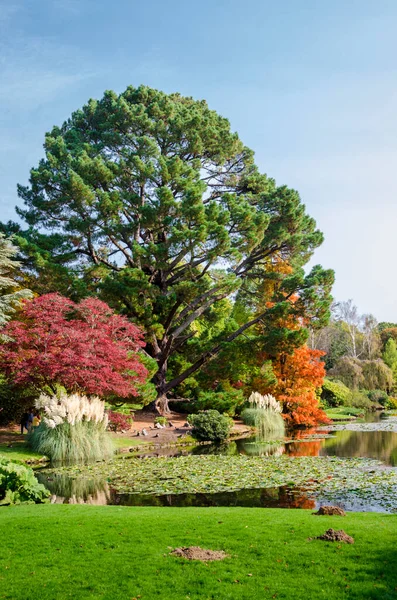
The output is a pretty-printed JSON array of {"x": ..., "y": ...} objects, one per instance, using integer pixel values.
[
  {"x": 264, "y": 413},
  {"x": 73, "y": 429}
]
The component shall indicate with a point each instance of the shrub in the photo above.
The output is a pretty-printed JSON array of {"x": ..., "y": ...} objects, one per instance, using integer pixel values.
[
  {"x": 391, "y": 403},
  {"x": 378, "y": 396},
  {"x": 73, "y": 430},
  {"x": 118, "y": 422},
  {"x": 222, "y": 401},
  {"x": 14, "y": 401},
  {"x": 210, "y": 426},
  {"x": 335, "y": 393},
  {"x": 377, "y": 375},
  {"x": 266, "y": 421},
  {"x": 360, "y": 400},
  {"x": 18, "y": 484},
  {"x": 161, "y": 420}
]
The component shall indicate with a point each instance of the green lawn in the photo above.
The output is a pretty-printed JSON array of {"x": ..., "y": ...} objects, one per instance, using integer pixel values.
[
  {"x": 53, "y": 552},
  {"x": 126, "y": 442},
  {"x": 344, "y": 413},
  {"x": 19, "y": 452}
]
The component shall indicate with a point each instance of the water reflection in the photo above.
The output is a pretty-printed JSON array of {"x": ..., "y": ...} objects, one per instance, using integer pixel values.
[
  {"x": 67, "y": 490},
  {"x": 381, "y": 445}
]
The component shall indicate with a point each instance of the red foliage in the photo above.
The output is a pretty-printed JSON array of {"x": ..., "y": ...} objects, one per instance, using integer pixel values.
[
  {"x": 298, "y": 377},
  {"x": 118, "y": 421},
  {"x": 84, "y": 347}
]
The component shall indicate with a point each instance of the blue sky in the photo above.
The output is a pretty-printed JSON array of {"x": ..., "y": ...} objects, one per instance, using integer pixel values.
[{"x": 311, "y": 86}]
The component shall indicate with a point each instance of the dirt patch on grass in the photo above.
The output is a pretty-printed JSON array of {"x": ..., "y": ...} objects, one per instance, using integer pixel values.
[
  {"x": 11, "y": 434},
  {"x": 336, "y": 535},
  {"x": 330, "y": 510},
  {"x": 197, "y": 553}
]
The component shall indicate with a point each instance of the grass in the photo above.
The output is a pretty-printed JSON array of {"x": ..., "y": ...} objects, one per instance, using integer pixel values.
[
  {"x": 122, "y": 553},
  {"x": 119, "y": 441},
  {"x": 344, "y": 413},
  {"x": 19, "y": 452},
  {"x": 266, "y": 421}
]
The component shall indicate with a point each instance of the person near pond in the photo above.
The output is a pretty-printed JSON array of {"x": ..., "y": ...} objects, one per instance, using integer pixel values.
[
  {"x": 36, "y": 419},
  {"x": 25, "y": 421}
]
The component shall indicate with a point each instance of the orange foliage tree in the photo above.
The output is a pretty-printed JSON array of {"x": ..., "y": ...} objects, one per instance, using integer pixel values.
[{"x": 298, "y": 376}]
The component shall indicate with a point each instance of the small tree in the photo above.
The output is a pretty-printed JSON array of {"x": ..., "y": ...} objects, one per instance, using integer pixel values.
[
  {"x": 83, "y": 347},
  {"x": 390, "y": 354},
  {"x": 299, "y": 375}
]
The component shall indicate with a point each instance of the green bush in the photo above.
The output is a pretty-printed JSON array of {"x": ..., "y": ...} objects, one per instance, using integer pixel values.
[
  {"x": 210, "y": 426},
  {"x": 19, "y": 485},
  {"x": 161, "y": 420},
  {"x": 226, "y": 401},
  {"x": 335, "y": 393},
  {"x": 14, "y": 401},
  {"x": 378, "y": 396},
  {"x": 360, "y": 400},
  {"x": 391, "y": 403}
]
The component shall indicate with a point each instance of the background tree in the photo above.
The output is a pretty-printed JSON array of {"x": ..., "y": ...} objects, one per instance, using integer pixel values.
[
  {"x": 151, "y": 200},
  {"x": 83, "y": 347},
  {"x": 347, "y": 312},
  {"x": 10, "y": 296},
  {"x": 390, "y": 354}
]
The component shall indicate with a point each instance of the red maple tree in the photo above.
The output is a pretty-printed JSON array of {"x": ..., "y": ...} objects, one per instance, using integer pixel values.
[{"x": 84, "y": 347}]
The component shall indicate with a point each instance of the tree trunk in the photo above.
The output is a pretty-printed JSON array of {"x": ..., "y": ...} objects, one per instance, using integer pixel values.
[{"x": 160, "y": 405}]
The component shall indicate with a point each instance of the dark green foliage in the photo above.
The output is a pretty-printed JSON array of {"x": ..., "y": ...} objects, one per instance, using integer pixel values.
[
  {"x": 10, "y": 296},
  {"x": 335, "y": 393},
  {"x": 386, "y": 325},
  {"x": 14, "y": 401},
  {"x": 151, "y": 199},
  {"x": 360, "y": 400},
  {"x": 387, "y": 334},
  {"x": 19, "y": 485},
  {"x": 210, "y": 426},
  {"x": 378, "y": 397},
  {"x": 223, "y": 402}
]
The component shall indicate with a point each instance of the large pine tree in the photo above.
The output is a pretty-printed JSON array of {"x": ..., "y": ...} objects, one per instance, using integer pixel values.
[{"x": 159, "y": 207}]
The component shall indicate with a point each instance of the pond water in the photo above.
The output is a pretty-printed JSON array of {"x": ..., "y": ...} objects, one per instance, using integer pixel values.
[{"x": 374, "y": 438}]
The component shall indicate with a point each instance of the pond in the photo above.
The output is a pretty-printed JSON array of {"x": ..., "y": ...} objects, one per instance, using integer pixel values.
[{"x": 329, "y": 465}]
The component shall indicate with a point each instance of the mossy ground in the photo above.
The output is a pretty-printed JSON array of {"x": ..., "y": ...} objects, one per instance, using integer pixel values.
[{"x": 54, "y": 552}]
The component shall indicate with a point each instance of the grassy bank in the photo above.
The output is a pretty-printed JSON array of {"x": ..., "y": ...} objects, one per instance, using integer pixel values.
[
  {"x": 20, "y": 451},
  {"x": 344, "y": 413},
  {"x": 17, "y": 449},
  {"x": 118, "y": 553}
]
